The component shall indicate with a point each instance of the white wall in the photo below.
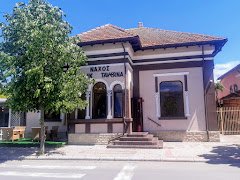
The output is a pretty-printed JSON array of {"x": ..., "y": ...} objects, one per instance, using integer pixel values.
[
  {"x": 32, "y": 120},
  {"x": 196, "y": 120}
]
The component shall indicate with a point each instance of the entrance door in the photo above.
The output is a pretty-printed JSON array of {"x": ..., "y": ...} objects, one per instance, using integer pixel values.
[
  {"x": 99, "y": 101},
  {"x": 137, "y": 114}
]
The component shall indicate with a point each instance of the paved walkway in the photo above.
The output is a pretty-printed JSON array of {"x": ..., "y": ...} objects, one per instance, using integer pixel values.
[{"x": 228, "y": 150}]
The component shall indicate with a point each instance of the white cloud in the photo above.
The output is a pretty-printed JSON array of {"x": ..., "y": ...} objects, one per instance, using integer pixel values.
[{"x": 220, "y": 69}]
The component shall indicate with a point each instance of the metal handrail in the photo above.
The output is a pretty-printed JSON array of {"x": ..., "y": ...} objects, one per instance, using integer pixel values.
[
  {"x": 115, "y": 138},
  {"x": 154, "y": 122}
]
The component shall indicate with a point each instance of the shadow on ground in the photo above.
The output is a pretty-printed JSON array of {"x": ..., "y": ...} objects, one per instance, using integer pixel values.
[
  {"x": 20, "y": 153},
  {"x": 229, "y": 154}
]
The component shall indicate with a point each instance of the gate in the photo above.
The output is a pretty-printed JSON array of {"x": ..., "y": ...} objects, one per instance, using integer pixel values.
[{"x": 228, "y": 120}]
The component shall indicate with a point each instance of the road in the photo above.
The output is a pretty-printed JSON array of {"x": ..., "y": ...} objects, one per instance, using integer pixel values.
[{"x": 112, "y": 170}]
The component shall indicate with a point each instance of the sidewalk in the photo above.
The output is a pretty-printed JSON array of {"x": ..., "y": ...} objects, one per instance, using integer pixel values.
[{"x": 227, "y": 151}]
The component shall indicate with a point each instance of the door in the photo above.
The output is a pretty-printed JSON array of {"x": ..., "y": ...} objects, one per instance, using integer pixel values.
[{"x": 137, "y": 114}]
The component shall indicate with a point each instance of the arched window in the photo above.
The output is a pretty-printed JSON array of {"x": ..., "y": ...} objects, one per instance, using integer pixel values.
[
  {"x": 171, "y": 99},
  {"x": 118, "y": 101},
  {"x": 99, "y": 100}
]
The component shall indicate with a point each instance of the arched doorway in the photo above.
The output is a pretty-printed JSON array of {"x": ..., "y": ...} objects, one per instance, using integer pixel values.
[{"x": 99, "y": 101}]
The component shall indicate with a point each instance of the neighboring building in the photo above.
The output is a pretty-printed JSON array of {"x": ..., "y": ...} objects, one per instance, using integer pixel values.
[
  {"x": 230, "y": 96},
  {"x": 9, "y": 118},
  {"x": 146, "y": 79}
]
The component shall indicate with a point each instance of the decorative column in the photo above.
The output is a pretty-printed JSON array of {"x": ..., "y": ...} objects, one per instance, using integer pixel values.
[
  {"x": 88, "y": 94},
  {"x": 157, "y": 104},
  {"x": 157, "y": 99},
  {"x": 187, "y": 113},
  {"x": 109, "y": 104}
]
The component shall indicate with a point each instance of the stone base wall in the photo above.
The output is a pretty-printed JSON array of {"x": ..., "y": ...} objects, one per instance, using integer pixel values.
[
  {"x": 188, "y": 136},
  {"x": 214, "y": 136},
  {"x": 60, "y": 135},
  {"x": 91, "y": 139}
]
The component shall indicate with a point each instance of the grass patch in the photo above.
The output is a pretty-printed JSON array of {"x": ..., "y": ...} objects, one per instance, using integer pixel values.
[
  {"x": 2, "y": 96},
  {"x": 27, "y": 142}
]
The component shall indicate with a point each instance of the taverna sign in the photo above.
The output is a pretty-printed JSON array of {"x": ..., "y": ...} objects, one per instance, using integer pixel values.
[{"x": 104, "y": 71}]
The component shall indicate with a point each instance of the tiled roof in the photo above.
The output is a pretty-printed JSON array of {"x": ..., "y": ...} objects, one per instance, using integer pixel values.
[
  {"x": 237, "y": 68},
  {"x": 105, "y": 32},
  {"x": 146, "y": 37},
  {"x": 155, "y": 37}
]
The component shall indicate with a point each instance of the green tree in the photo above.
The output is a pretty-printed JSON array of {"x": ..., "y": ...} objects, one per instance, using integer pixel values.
[
  {"x": 218, "y": 87},
  {"x": 35, "y": 48}
]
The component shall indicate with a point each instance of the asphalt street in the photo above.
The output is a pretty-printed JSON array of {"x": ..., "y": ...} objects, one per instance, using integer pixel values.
[{"x": 116, "y": 170}]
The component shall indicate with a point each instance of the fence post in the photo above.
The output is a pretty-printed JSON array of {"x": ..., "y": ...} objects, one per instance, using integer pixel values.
[{"x": 221, "y": 116}]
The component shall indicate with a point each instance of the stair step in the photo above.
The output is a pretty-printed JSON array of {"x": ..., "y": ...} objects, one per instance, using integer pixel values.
[
  {"x": 149, "y": 137},
  {"x": 141, "y": 140},
  {"x": 137, "y": 146},
  {"x": 135, "y": 142},
  {"x": 138, "y": 134}
]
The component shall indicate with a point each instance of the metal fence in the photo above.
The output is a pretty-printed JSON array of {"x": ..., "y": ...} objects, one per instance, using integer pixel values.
[{"x": 228, "y": 120}]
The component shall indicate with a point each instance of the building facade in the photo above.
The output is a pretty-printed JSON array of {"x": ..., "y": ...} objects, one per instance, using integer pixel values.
[
  {"x": 230, "y": 95},
  {"x": 145, "y": 79}
]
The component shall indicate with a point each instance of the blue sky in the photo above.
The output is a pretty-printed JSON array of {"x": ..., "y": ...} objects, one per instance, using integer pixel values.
[{"x": 212, "y": 17}]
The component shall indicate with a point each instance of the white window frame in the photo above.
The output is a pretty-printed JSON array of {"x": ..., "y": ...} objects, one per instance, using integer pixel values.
[{"x": 185, "y": 94}]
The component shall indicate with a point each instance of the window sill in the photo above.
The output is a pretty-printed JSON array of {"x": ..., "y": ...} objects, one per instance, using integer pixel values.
[{"x": 172, "y": 118}]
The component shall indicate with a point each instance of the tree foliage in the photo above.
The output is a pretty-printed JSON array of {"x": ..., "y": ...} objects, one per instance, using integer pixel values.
[
  {"x": 218, "y": 86},
  {"x": 35, "y": 48}
]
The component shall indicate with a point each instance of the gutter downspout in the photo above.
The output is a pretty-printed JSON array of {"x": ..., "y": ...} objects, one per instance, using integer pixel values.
[
  {"x": 125, "y": 89},
  {"x": 205, "y": 97}
]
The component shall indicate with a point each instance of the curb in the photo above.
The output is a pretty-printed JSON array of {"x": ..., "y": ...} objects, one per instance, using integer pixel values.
[{"x": 124, "y": 159}]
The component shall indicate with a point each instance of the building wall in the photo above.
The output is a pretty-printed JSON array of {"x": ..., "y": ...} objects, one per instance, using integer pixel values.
[
  {"x": 229, "y": 80},
  {"x": 32, "y": 120},
  {"x": 195, "y": 121}
]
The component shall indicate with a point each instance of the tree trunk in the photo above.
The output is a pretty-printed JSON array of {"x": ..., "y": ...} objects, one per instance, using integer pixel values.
[{"x": 42, "y": 134}]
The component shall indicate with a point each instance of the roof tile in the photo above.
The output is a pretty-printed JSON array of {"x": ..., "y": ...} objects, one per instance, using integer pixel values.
[{"x": 148, "y": 36}]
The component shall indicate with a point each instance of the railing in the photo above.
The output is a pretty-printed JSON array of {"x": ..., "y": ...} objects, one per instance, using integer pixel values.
[
  {"x": 115, "y": 138},
  {"x": 154, "y": 122},
  {"x": 229, "y": 120}
]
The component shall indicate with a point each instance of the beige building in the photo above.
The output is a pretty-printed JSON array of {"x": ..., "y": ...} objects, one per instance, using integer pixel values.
[{"x": 147, "y": 80}]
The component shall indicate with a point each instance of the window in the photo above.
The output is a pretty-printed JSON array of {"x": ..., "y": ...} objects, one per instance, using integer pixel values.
[
  {"x": 235, "y": 87},
  {"x": 118, "y": 101},
  {"x": 231, "y": 89},
  {"x": 82, "y": 112},
  {"x": 4, "y": 116},
  {"x": 171, "y": 99},
  {"x": 99, "y": 101},
  {"x": 52, "y": 117}
]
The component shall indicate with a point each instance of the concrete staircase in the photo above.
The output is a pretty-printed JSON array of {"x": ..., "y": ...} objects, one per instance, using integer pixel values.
[{"x": 142, "y": 140}]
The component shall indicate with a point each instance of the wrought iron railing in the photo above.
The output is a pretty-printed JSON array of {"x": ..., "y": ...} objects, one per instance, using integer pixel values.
[{"x": 154, "y": 122}]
